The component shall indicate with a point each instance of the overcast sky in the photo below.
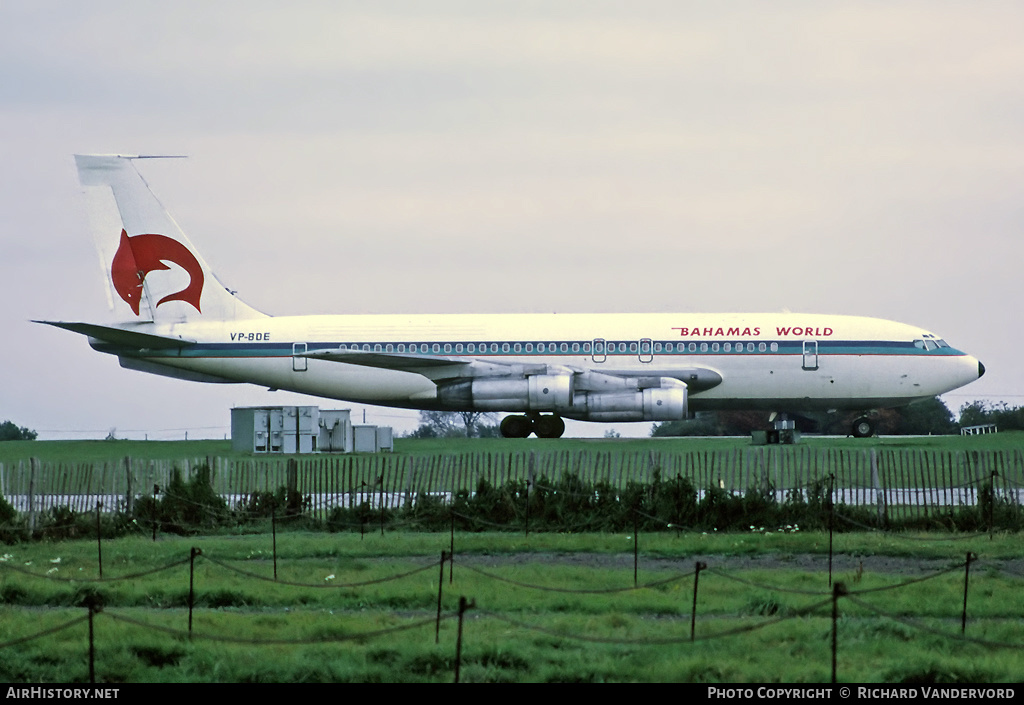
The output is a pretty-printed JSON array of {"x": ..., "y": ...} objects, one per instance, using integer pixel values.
[{"x": 445, "y": 157}]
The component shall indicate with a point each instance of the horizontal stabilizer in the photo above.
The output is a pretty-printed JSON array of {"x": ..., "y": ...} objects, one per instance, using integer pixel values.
[{"x": 121, "y": 336}]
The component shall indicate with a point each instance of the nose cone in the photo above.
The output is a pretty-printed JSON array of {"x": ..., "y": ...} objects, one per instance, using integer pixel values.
[{"x": 981, "y": 369}]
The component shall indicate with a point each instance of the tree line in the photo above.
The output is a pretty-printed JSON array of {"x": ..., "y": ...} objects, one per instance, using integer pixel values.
[{"x": 930, "y": 416}]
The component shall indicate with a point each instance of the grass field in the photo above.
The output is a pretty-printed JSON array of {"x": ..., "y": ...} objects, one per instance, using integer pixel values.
[
  {"x": 98, "y": 451},
  {"x": 548, "y": 606},
  {"x": 332, "y": 613}
]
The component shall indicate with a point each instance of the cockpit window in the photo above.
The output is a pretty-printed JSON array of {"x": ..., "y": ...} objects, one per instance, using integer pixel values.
[
  {"x": 941, "y": 343},
  {"x": 919, "y": 344},
  {"x": 930, "y": 344}
]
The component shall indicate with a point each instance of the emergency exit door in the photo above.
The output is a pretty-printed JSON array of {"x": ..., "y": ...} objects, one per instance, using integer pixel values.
[{"x": 810, "y": 361}]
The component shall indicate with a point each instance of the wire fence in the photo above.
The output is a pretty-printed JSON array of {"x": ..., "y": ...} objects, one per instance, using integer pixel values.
[{"x": 428, "y": 579}]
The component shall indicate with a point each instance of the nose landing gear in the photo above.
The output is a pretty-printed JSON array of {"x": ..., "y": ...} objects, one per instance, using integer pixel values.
[{"x": 863, "y": 427}]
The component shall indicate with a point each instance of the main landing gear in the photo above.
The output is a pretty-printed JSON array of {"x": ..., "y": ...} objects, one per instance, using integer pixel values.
[{"x": 546, "y": 426}]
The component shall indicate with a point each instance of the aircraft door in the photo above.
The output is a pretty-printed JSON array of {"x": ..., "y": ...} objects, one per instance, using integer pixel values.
[
  {"x": 810, "y": 357},
  {"x": 599, "y": 350},
  {"x": 299, "y": 364}
]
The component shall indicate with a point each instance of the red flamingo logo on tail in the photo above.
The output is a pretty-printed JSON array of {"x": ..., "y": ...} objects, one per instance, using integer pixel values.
[{"x": 139, "y": 255}]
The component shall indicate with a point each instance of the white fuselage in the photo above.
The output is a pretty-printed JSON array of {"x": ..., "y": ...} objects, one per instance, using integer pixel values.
[{"x": 728, "y": 361}]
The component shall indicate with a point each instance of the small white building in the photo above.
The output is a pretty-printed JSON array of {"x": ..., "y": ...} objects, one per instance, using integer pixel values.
[{"x": 304, "y": 429}]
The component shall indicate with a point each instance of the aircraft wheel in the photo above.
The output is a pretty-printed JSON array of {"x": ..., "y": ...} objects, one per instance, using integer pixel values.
[
  {"x": 516, "y": 427},
  {"x": 550, "y": 426},
  {"x": 863, "y": 427}
]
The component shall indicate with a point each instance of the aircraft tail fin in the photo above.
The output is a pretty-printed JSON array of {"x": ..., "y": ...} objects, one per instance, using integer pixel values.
[{"x": 153, "y": 270}]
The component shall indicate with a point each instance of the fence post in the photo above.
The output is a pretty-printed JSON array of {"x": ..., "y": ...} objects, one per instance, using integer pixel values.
[
  {"x": 440, "y": 584},
  {"x": 879, "y": 492},
  {"x": 129, "y": 493},
  {"x": 693, "y": 612},
  {"x": 191, "y": 586},
  {"x": 967, "y": 573},
  {"x": 33, "y": 464}
]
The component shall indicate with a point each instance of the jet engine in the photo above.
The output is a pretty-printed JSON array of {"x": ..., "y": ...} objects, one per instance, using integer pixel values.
[
  {"x": 533, "y": 393},
  {"x": 666, "y": 402}
]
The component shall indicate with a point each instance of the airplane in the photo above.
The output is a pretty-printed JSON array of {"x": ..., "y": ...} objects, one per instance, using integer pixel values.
[{"x": 175, "y": 318}]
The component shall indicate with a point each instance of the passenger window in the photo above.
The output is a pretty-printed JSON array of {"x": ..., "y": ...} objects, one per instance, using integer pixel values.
[
  {"x": 775, "y": 347},
  {"x": 703, "y": 347}
]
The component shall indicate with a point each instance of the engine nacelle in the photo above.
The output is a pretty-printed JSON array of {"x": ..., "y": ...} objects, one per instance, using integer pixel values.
[
  {"x": 533, "y": 393},
  {"x": 666, "y": 403}
]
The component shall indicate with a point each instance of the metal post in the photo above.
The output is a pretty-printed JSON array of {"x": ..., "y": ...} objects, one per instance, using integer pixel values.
[
  {"x": 693, "y": 612},
  {"x": 967, "y": 573},
  {"x": 273, "y": 533},
  {"x": 440, "y": 584}
]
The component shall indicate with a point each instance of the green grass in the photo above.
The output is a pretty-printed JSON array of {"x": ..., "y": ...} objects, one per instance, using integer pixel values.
[
  {"x": 516, "y": 633},
  {"x": 112, "y": 451}
]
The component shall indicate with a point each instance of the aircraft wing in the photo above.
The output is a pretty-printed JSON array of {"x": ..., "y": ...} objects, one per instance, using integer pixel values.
[
  {"x": 387, "y": 361},
  {"x": 432, "y": 367},
  {"x": 448, "y": 368},
  {"x": 121, "y": 336}
]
